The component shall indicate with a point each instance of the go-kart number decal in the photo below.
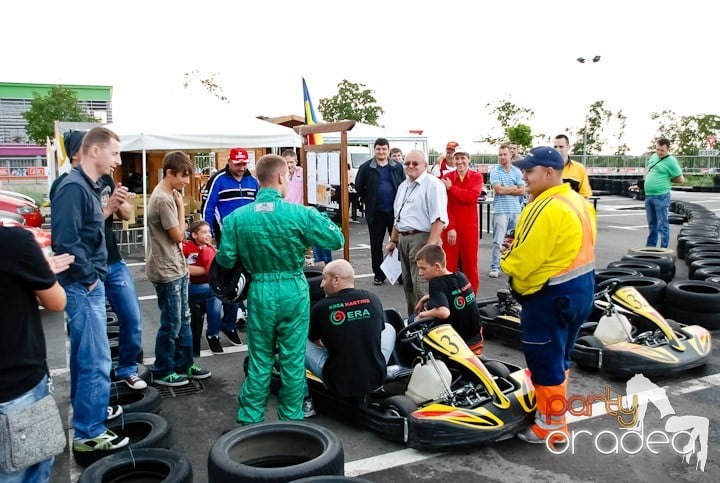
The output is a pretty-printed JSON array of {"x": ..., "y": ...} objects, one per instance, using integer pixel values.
[
  {"x": 449, "y": 342},
  {"x": 631, "y": 298}
]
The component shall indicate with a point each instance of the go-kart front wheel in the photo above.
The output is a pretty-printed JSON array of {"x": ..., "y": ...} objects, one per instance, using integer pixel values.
[{"x": 400, "y": 405}]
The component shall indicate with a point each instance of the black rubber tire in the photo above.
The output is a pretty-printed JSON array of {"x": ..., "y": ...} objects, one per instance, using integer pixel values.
[
  {"x": 701, "y": 254},
  {"x": 277, "y": 451},
  {"x": 399, "y": 405},
  {"x": 133, "y": 401},
  {"x": 709, "y": 320},
  {"x": 666, "y": 264},
  {"x": 705, "y": 273},
  {"x": 702, "y": 263},
  {"x": 675, "y": 219},
  {"x": 498, "y": 369},
  {"x": 713, "y": 280},
  {"x": 592, "y": 342},
  {"x": 146, "y": 464},
  {"x": 700, "y": 242},
  {"x": 314, "y": 279},
  {"x": 648, "y": 269},
  {"x": 652, "y": 250},
  {"x": 145, "y": 430},
  {"x": 651, "y": 288},
  {"x": 603, "y": 274},
  {"x": 693, "y": 295}
]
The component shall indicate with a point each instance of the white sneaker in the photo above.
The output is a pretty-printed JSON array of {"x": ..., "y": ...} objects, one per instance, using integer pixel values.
[{"x": 494, "y": 274}]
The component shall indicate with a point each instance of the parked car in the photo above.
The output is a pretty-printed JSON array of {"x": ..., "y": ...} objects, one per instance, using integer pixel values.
[
  {"x": 28, "y": 210},
  {"x": 42, "y": 236}
]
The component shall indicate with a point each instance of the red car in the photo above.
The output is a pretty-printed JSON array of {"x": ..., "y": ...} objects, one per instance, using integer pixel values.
[{"x": 22, "y": 207}]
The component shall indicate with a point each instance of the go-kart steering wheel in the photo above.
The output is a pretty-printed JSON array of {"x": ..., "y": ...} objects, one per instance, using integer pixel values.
[{"x": 410, "y": 332}]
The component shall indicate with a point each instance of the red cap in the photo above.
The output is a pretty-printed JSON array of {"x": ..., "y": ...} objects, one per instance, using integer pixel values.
[
  {"x": 238, "y": 156},
  {"x": 451, "y": 145}
]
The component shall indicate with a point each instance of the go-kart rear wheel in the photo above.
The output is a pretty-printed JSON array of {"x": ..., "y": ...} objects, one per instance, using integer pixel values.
[
  {"x": 497, "y": 369},
  {"x": 589, "y": 342},
  {"x": 400, "y": 405}
]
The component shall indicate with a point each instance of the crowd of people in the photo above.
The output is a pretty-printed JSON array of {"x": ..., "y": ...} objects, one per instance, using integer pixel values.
[{"x": 257, "y": 221}]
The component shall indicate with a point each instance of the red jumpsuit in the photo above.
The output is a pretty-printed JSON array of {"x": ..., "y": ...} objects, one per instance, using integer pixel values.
[{"x": 463, "y": 218}]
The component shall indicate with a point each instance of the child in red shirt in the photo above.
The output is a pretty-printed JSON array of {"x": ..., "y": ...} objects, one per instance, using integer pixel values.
[{"x": 199, "y": 254}]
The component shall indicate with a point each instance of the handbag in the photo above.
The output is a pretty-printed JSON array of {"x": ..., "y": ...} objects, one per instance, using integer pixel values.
[{"x": 30, "y": 435}]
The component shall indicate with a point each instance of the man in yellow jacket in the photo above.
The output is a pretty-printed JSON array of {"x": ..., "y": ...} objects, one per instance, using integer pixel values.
[{"x": 551, "y": 268}]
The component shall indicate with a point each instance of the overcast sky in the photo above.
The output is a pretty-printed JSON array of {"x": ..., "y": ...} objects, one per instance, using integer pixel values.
[{"x": 433, "y": 65}]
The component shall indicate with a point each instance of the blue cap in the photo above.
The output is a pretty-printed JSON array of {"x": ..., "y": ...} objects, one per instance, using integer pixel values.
[{"x": 541, "y": 156}]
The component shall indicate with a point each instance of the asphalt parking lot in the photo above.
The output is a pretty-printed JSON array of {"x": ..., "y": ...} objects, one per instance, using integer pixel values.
[{"x": 198, "y": 419}]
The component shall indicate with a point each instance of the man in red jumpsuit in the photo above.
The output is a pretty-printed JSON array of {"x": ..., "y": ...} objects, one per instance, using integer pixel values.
[{"x": 460, "y": 238}]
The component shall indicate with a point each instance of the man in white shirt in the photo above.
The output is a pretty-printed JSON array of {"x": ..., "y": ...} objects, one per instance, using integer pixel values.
[{"x": 420, "y": 210}]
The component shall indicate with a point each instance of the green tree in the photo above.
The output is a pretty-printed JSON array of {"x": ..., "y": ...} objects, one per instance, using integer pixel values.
[
  {"x": 60, "y": 104},
  {"x": 597, "y": 120},
  {"x": 508, "y": 115},
  {"x": 208, "y": 82},
  {"x": 688, "y": 134},
  {"x": 353, "y": 102},
  {"x": 521, "y": 134}
]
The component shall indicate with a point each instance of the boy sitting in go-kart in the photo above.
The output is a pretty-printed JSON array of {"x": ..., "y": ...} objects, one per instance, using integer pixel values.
[
  {"x": 348, "y": 335},
  {"x": 451, "y": 297}
]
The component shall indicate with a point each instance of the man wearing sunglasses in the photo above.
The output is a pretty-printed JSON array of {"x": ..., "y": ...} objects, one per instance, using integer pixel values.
[{"x": 420, "y": 211}]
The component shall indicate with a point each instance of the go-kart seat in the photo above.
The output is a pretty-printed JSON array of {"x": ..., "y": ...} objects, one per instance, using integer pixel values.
[{"x": 402, "y": 355}]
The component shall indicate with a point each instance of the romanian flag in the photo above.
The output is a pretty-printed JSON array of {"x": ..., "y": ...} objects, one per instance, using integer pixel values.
[{"x": 310, "y": 118}]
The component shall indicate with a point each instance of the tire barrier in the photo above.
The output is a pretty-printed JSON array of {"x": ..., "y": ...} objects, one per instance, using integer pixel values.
[
  {"x": 646, "y": 268},
  {"x": 147, "y": 464},
  {"x": 277, "y": 451},
  {"x": 145, "y": 430}
]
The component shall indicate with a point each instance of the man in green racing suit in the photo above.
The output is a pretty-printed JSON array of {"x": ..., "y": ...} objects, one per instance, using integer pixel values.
[{"x": 270, "y": 237}]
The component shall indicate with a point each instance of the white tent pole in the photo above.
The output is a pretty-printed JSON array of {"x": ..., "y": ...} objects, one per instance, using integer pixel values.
[{"x": 144, "y": 177}]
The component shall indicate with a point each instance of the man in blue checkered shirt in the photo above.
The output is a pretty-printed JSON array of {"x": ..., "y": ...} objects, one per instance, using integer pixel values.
[{"x": 507, "y": 183}]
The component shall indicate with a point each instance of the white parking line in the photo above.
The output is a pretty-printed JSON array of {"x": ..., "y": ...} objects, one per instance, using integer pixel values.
[{"x": 409, "y": 455}]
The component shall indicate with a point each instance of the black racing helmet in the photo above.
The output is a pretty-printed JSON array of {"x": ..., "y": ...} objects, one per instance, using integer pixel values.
[{"x": 230, "y": 285}]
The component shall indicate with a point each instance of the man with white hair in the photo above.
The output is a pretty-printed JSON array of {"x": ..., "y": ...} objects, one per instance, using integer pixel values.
[{"x": 420, "y": 210}]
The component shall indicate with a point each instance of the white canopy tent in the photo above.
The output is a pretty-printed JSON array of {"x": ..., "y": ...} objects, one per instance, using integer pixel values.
[{"x": 195, "y": 128}]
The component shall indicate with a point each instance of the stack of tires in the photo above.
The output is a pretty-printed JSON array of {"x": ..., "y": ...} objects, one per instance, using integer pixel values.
[
  {"x": 649, "y": 272},
  {"x": 696, "y": 301},
  {"x": 146, "y": 457}
]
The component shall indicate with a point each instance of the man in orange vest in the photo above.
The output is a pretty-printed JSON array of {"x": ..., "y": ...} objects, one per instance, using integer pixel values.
[{"x": 551, "y": 267}]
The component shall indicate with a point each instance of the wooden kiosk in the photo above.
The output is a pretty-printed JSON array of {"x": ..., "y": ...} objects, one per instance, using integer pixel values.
[{"x": 325, "y": 180}]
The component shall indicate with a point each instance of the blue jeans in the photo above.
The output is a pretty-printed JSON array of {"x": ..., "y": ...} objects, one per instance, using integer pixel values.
[
  {"x": 322, "y": 255},
  {"x": 120, "y": 291},
  {"x": 39, "y": 472},
  {"x": 201, "y": 293},
  {"x": 656, "y": 209},
  {"x": 316, "y": 356},
  {"x": 173, "y": 344},
  {"x": 89, "y": 358},
  {"x": 501, "y": 224}
]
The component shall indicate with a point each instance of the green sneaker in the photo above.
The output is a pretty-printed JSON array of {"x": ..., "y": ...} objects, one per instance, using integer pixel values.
[
  {"x": 104, "y": 442},
  {"x": 195, "y": 372},
  {"x": 172, "y": 379}
]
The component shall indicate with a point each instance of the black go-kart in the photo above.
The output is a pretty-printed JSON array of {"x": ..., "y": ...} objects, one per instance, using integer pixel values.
[
  {"x": 624, "y": 336},
  {"x": 438, "y": 393}
]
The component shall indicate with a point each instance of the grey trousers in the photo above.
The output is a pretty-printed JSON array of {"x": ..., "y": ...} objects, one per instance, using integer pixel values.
[{"x": 414, "y": 285}]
